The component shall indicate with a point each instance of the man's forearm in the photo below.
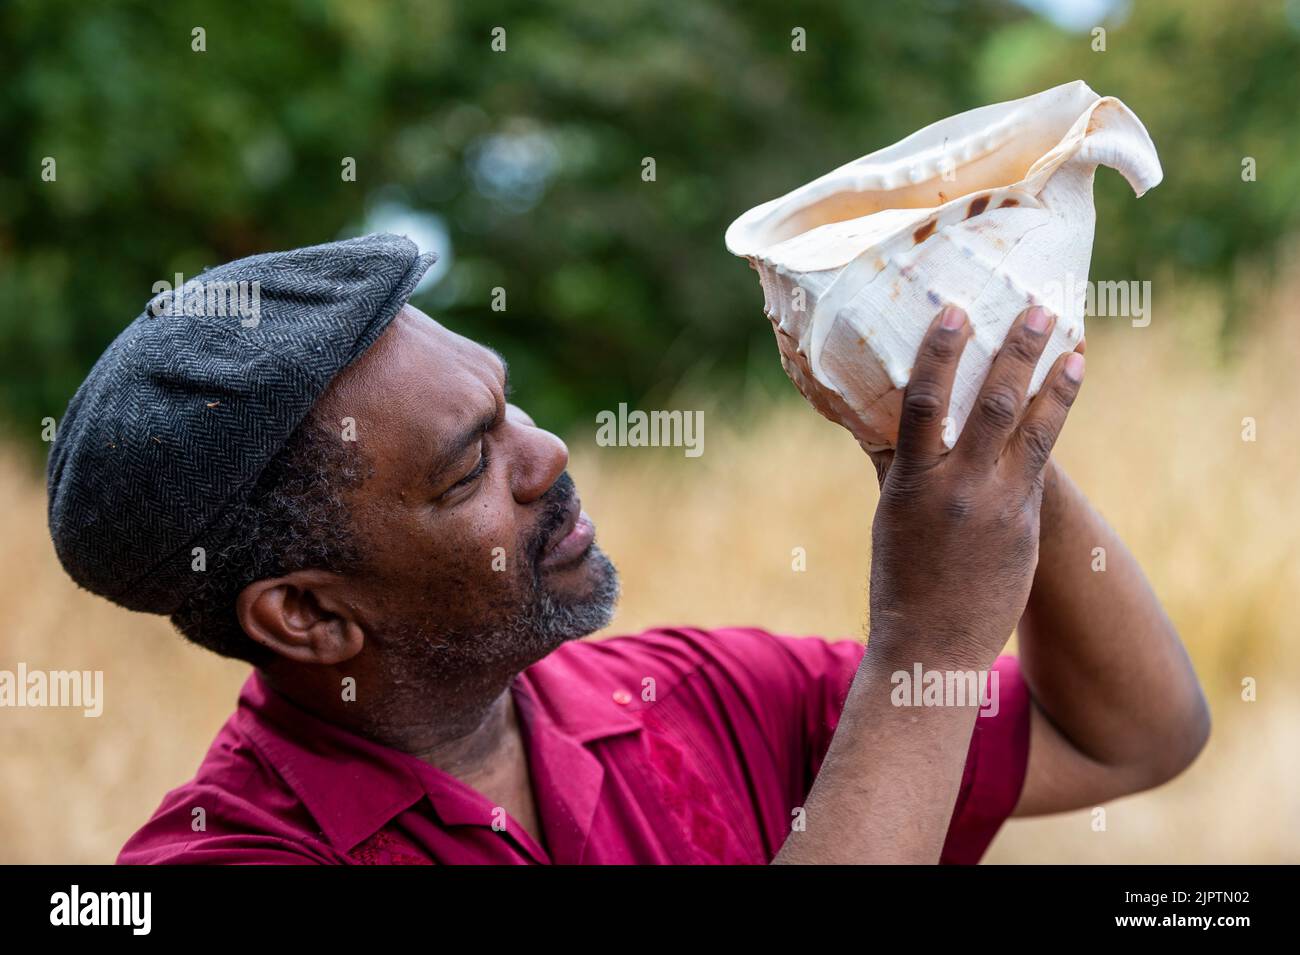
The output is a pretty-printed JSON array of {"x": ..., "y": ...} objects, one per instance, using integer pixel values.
[
  {"x": 1103, "y": 661},
  {"x": 886, "y": 789}
]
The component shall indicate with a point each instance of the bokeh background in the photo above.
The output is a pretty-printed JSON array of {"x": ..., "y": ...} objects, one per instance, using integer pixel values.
[{"x": 523, "y": 168}]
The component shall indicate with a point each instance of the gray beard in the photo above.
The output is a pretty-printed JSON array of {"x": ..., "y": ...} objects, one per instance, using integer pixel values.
[{"x": 465, "y": 664}]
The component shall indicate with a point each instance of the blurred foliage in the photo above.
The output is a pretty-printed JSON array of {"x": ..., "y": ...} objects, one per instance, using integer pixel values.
[{"x": 169, "y": 160}]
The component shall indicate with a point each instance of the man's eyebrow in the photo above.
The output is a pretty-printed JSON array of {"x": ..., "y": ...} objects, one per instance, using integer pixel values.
[{"x": 448, "y": 454}]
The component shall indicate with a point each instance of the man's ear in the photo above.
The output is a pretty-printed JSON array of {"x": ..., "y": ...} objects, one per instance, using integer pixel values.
[{"x": 302, "y": 617}]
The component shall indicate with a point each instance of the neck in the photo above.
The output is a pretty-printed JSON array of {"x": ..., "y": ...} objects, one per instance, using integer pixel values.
[
  {"x": 469, "y": 748},
  {"x": 462, "y": 730}
]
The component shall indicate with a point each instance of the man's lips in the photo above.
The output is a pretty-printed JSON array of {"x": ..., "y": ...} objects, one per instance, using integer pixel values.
[{"x": 572, "y": 540}]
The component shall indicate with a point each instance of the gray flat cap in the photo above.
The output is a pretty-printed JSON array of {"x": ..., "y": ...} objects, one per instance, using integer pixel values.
[{"x": 179, "y": 417}]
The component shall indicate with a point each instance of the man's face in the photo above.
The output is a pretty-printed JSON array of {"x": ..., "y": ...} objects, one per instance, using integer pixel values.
[{"x": 476, "y": 555}]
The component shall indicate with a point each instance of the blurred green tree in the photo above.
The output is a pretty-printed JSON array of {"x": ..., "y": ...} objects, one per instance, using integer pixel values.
[{"x": 527, "y": 162}]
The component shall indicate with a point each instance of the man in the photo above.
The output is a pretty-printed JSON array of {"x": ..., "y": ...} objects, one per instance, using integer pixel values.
[{"x": 340, "y": 493}]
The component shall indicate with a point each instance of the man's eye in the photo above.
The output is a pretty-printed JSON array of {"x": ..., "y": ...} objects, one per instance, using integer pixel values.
[{"x": 478, "y": 468}]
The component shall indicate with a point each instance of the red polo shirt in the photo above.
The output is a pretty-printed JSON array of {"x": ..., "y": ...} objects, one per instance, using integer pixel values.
[{"x": 673, "y": 746}]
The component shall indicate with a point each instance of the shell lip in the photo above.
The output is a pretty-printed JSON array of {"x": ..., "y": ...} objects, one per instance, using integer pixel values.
[{"x": 959, "y": 139}]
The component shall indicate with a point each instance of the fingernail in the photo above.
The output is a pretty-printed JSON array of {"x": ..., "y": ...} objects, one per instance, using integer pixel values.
[
  {"x": 953, "y": 318},
  {"x": 1037, "y": 320},
  {"x": 1074, "y": 367}
]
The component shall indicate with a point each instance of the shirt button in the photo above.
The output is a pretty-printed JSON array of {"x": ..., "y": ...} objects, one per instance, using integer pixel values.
[{"x": 622, "y": 697}]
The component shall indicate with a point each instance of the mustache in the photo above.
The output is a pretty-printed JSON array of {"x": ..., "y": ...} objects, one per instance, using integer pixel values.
[{"x": 554, "y": 506}]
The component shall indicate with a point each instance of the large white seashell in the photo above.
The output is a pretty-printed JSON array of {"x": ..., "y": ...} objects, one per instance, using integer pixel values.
[{"x": 990, "y": 210}]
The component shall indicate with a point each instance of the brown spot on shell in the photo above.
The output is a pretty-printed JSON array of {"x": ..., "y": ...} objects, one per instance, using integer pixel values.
[
  {"x": 923, "y": 233},
  {"x": 1005, "y": 203},
  {"x": 977, "y": 206}
]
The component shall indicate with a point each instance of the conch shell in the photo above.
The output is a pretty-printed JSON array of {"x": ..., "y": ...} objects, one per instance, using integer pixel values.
[{"x": 990, "y": 210}]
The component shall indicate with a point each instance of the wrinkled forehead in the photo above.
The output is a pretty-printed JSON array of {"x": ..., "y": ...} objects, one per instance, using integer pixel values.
[{"x": 415, "y": 388}]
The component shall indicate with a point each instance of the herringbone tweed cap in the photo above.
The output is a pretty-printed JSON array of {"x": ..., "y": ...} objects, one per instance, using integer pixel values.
[{"x": 178, "y": 418}]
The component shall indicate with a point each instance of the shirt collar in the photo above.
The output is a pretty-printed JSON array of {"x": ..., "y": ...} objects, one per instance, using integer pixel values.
[
  {"x": 579, "y": 705},
  {"x": 353, "y": 787}
]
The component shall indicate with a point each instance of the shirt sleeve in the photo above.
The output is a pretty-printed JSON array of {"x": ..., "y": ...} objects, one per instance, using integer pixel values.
[
  {"x": 234, "y": 832},
  {"x": 801, "y": 683},
  {"x": 995, "y": 767}
]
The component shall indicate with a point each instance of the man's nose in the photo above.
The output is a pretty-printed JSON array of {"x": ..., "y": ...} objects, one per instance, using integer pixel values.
[{"x": 540, "y": 460}]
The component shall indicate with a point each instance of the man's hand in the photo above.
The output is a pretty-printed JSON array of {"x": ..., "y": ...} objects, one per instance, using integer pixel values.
[{"x": 955, "y": 538}]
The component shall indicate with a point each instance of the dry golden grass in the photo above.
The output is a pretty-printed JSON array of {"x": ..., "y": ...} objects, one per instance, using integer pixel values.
[{"x": 1155, "y": 441}]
